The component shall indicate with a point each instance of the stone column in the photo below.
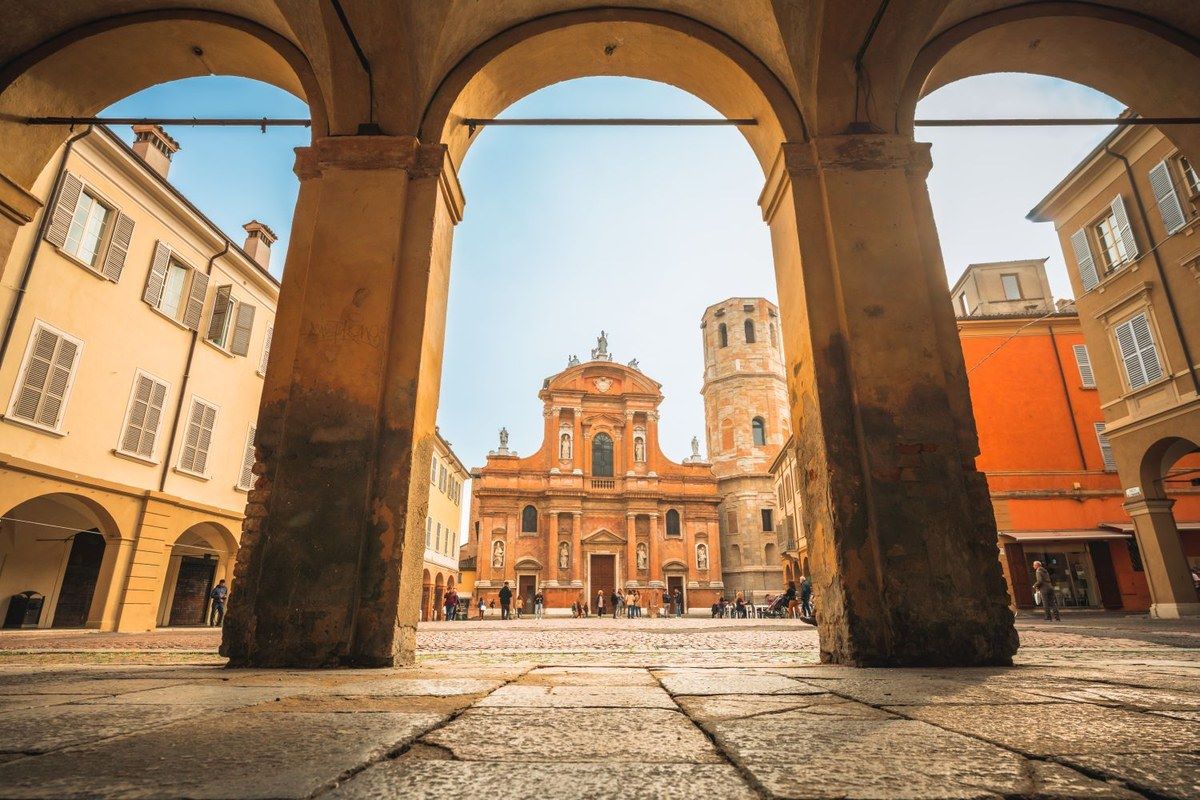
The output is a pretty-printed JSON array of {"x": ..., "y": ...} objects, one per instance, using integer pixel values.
[
  {"x": 652, "y": 450},
  {"x": 577, "y": 450},
  {"x": 330, "y": 566},
  {"x": 630, "y": 547},
  {"x": 550, "y": 435},
  {"x": 655, "y": 574},
  {"x": 1171, "y": 591},
  {"x": 898, "y": 517},
  {"x": 577, "y": 548},
  {"x": 628, "y": 447},
  {"x": 552, "y": 545}
]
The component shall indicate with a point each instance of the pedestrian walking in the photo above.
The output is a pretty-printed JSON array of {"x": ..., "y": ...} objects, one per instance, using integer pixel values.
[
  {"x": 1045, "y": 588},
  {"x": 539, "y": 605},
  {"x": 505, "y": 601},
  {"x": 219, "y": 594},
  {"x": 806, "y": 609},
  {"x": 451, "y": 604},
  {"x": 520, "y": 605}
]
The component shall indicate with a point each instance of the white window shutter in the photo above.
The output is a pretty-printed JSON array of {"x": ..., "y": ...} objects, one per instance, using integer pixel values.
[
  {"x": 157, "y": 279},
  {"x": 143, "y": 417},
  {"x": 1083, "y": 257},
  {"x": 46, "y": 377},
  {"x": 246, "y": 481},
  {"x": 1147, "y": 350},
  {"x": 1129, "y": 356},
  {"x": 1084, "y": 362},
  {"x": 1168, "y": 200},
  {"x": 118, "y": 248},
  {"x": 58, "y": 383},
  {"x": 195, "y": 303},
  {"x": 64, "y": 209},
  {"x": 1110, "y": 463},
  {"x": 266, "y": 349},
  {"x": 1127, "y": 237},
  {"x": 221, "y": 307},
  {"x": 198, "y": 437},
  {"x": 207, "y": 424},
  {"x": 243, "y": 326}
]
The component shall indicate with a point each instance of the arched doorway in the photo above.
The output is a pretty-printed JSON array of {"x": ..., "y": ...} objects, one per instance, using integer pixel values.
[
  {"x": 201, "y": 556},
  {"x": 1169, "y": 555},
  {"x": 55, "y": 562}
]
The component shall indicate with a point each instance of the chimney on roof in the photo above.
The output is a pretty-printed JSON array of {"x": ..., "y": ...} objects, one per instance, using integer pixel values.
[
  {"x": 154, "y": 147},
  {"x": 259, "y": 239}
]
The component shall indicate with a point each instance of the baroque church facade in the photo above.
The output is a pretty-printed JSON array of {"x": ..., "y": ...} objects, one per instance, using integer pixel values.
[{"x": 598, "y": 506}]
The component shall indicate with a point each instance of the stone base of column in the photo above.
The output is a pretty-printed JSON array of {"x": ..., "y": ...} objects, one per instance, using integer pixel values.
[{"x": 1174, "y": 610}]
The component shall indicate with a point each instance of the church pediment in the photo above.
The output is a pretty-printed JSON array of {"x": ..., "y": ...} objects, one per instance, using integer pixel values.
[
  {"x": 603, "y": 536},
  {"x": 528, "y": 563}
]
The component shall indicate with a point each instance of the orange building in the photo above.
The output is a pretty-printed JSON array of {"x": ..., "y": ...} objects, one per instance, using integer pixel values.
[
  {"x": 1050, "y": 470},
  {"x": 598, "y": 506}
]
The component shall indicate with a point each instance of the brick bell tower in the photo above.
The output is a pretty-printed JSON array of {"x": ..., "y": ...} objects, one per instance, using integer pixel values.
[{"x": 747, "y": 422}]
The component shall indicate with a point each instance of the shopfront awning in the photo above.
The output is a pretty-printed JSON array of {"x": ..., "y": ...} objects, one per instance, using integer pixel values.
[
  {"x": 1127, "y": 527},
  {"x": 1059, "y": 536}
]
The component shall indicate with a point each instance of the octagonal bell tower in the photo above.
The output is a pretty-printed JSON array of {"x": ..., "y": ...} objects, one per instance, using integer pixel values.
[{"x": 746, "y": 423}]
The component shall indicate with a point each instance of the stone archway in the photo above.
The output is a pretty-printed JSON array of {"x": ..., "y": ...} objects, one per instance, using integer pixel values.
[{"x": 200, "y": 556}]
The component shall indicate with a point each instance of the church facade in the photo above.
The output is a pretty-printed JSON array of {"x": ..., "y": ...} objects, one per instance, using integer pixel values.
[{"x": 598, "y": 506}]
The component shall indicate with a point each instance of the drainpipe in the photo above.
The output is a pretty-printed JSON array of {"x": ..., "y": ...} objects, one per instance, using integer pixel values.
[
  {"x": 187, "y": 372},
  {"x": 43, "y": 225},
  {"x": 1062, "y": 379},
  {"x": 1162, "y": 273}
]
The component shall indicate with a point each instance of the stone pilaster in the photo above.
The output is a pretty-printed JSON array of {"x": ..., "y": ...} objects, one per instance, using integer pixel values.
[{"x": 1167, "y": 570}]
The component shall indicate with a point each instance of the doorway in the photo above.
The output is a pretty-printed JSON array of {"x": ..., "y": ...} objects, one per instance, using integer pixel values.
[
  {"x": 527, "y": 588},
  {"x": 195, "y": 581},
  {"x": 602, "y": 577},
  {"x": 79, "y": 580},
  {"x": 676, "y": 582}
]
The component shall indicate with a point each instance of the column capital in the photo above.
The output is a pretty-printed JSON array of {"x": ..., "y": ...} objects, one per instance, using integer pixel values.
[{"x": 1148, "y": 506}]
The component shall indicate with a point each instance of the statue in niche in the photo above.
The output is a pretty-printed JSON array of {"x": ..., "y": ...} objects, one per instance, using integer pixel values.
[
  {"x": 639, "y": 450},
  {"x": 504, "y": 438},
  {"x": 498, "y": 554},
  {"x": 643, "y": 559},
  {"x": 564, "y": 555},
  {"x": 702, "y": 557},
  {"x": 564, "y": 447}
]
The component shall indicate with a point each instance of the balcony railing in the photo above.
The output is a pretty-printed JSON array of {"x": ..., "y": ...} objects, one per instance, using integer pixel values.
[{"x": 604, "y": 483}]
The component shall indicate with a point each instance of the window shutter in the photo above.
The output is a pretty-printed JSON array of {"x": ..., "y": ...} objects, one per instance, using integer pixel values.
[
  {"x": 207, "y": 424},
  {"x": 242, "y": 327},
  {"x": 157, "y": 279},
  {"x": 1083, "y": 257},
  {"x": 1129, "y": 356},
  {"x": 64, "y": 209},
  {"x": 221, "y": 304},
  {"x": 1166, "y": 197},
  {"x": 1147, "y": 351},
  {"x": 118, "y": 248},
  {"x": 55, "y": 374},
  {"x": 246, "y": 481},
  {"x": 195, "y": 303},
  {"x": 1084, "y": 362},
  {"x": 1118, "y": 209},
  {"x": 1110, "y": 463},
  {"x": 198, "y": 438},
  {"x": 145, "y": 412},
  {"x": 266, "y": 351}
]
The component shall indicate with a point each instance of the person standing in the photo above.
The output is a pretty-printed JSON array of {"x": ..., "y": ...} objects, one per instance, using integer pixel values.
[
  {"x": 806, "y": 609},
  {"x": 451, "y": 604},
  {"x": 678, "y": 599},
  {"x": 482, "y": 607},
  {"x": 219, "y": 594},
  {"x": 539, "y": 605},
  {"x": 520, "y": 605},
  {"x": 666, "y": 601},
  {"x": 617, "y": 599},
  {"x": 1045, "y": 587},
  {"x": 600, "y": 603},
  {"x": 505, "y": 601}
]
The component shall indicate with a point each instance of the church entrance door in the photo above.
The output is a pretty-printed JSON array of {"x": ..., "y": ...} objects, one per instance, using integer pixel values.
[
  {"x": 602, "y": 573},
  {"x": 527, "y": 588},
  {"x": 675, "y": 582}
]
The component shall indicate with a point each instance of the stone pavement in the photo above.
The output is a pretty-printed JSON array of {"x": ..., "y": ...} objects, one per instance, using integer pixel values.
[{"x": 650, "y": 709}]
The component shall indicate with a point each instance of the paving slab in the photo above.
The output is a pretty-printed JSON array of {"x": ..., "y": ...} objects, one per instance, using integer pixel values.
[
  {"x": 11, "y": 702},
  {"x": 1124, "y": 696},
  {"x": 596, "y": 734},
  {"x": 204, "y": 696},
  {"x": 799, "y": 755},
  {"x": 235, "y": 755},
  {"x": 96, "y": 686},
  {"x": 1061, "y": 728},
  {"x": 416, "y": 686},
  {"x": 916, "y": 690},
  {"x": 519, "y": 696},
  {"x": 1175, "y": 775},
  {"x": 589, "y": 676},
  {"x": 38, "y": 730},
  {"x": 712, "y": 708},
  {"x": 438, "y": 780},
  {"x": 731, "y": 681}
]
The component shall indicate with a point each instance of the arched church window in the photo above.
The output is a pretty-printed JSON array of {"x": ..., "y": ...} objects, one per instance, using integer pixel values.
[
  {"x": 602, "y": 456},
  {"x": 529, "y": 520},
  {"x": 673, "y": 523},
  {"x": 759, "y": 429},
  {"x": 749, "y": 331},
  {"x": 722, "y": 335}
]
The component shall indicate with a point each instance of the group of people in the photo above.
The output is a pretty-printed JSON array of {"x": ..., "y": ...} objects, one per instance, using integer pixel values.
[
  {"x": 794, "y": 602},
  {"x": 631, "y": 603}
]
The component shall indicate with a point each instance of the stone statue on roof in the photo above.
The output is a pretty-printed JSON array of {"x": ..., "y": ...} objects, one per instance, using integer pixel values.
[
  {"x": 504, "y": 438},
  {"x": 573, "y": 361},
  {"x": 600, "y": 351}
]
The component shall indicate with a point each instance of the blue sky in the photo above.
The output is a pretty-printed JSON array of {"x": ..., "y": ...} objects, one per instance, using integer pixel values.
[{"x": 632, "y": 230}]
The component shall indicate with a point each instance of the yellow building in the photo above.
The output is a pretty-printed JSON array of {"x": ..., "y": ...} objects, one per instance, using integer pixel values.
[
  {"x": 135, "y": 340},
  {"x": 793, "y": 543},
  {"x": 443, "y": 526}
]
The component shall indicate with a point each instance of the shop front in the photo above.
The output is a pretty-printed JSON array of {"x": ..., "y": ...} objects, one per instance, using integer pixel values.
[{"x": 1096, "y": 569}]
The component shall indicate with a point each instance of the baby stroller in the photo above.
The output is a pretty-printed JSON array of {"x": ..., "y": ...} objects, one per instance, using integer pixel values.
[{"x": 777, "y": 608}]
